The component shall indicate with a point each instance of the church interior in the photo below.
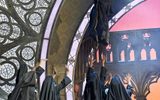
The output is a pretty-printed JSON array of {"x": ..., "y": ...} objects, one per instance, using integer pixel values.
[{"x": 57, "y": 37}]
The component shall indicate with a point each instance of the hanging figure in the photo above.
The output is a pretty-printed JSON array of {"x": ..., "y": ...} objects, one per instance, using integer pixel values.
[
  {"x": 98, "y": 27},
  {"x": 50, "y": 89}
]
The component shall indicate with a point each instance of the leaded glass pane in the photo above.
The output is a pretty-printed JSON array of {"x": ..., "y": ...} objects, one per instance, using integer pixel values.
[{"x": 3, "y": 4}]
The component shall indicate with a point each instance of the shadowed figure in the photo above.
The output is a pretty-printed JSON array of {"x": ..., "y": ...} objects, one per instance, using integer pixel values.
[
  {"x": 98, "y": 27},
  {"x": 21, "y": 71},
  {"x": 50, "y": 89},
  {"x": 92, "y": 88},
  {"x": 26, "y": 84},
  {"x": 25, "y": 88},
  {"x": 117, "y": 90}
]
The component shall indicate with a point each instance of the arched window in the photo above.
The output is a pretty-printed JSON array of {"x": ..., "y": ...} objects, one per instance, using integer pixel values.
[
  {"x": 143, "y": 54},
  {"x": 108, "y": 55},
  {"x": 122, "y": 56},
  {"x": 153, "y": 55},
  {"x": 97, "y": 55},
  {"x": 132, "y": 57},
  {"x": 111, "y": 57}
]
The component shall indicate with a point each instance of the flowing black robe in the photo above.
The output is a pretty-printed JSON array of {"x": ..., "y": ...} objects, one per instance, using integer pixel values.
[
  {"x": 116, "y": 90},
  {"x": 103, "y": 74},
  {"x": 51, "y": 90},
  {"x": 26, "y": 88},
  {"x": 102, "y": 82},
  {"x": 92, "y": 88},
  {"x": 22, "y": 70},
  {"x": 102, "y": 12},
  {"x": 98, "y": 27}
]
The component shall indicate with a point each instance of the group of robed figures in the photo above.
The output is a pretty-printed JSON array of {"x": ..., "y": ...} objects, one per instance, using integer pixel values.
[
  {"x": 27, "y": 87},
  {"x": 106, "y": 85},
  {"x": 98, "y": 87}
]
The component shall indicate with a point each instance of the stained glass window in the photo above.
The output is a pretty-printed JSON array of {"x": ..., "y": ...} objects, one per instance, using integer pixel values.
[
  {"x": 122, "y": 56},
  {"x": 143, "y": 54},
  {"x": 153, "y": 55},
  {"x": 132, "y": 56},
  {"x": 22, "y": 23}
]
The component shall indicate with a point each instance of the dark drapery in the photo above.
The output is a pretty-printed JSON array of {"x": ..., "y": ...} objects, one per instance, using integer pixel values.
[
  {"x": 51, "y": 90},
  {"x": 98, "y": 25},
  {"x": 26, "y": 88}
]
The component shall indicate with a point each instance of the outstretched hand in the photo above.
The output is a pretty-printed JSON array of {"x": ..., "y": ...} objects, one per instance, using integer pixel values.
[
  {"x": 127, "y": 78},
  {"x": 66, "y": 69}
]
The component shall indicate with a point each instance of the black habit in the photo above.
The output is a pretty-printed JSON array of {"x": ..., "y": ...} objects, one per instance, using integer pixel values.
[
  {"x": 22, "y": 70},
  {"x": 92, "y": 88},
  {"x": 51, "y": 90},
  {"x": 116, "y": 90},
  {"x": 103, "y": 87},
  {"x": 26, "y": 88}
]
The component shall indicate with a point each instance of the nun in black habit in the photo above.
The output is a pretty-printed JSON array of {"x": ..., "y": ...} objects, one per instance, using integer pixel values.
[
  {"x": 103, "y": 78},
  {"x": 92, "y": 89},
  {"x": 50, "y": 89},
  {"x": 26, "y": 88},
  {"x": 117, "y": 90},
  {"x": 21, "y": 71}
]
